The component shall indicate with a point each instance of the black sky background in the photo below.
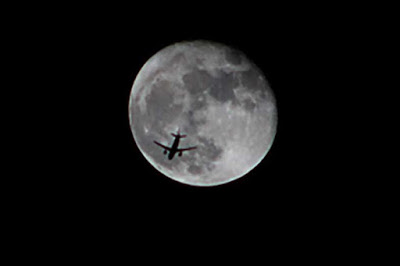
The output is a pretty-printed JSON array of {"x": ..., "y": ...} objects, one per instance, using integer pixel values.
[
  {"x": 93, "y": 177},
  {"x": 298, "y": 174}
]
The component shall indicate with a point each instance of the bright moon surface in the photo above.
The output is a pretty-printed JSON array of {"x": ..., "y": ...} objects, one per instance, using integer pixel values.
[{"x": 217, "y": 97}]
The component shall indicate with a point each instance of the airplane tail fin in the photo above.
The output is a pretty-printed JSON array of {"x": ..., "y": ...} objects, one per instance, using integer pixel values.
[{"x": 178, "y": 134}]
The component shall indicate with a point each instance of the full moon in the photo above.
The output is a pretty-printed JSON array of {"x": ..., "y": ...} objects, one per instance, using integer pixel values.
[{"x": 213, "y": 94}]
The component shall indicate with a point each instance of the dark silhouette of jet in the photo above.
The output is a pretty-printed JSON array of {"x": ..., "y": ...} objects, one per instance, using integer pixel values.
[{"x": 174, "y": 149}]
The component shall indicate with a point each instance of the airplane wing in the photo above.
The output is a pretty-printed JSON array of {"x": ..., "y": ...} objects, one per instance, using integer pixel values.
[
  {"x": 186, "y": 149},
  {"x": 163, "y": 146}
]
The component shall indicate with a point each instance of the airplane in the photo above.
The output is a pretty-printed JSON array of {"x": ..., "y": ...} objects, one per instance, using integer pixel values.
[{"x": 174, "y": 149}]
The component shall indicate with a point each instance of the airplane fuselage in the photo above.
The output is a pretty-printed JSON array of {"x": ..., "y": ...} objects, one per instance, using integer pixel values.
[{"x": 174, "y": 148}]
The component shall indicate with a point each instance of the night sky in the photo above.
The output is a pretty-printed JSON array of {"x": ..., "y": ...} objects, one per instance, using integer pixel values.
[
  {"x": 293, "y": 173},
  {"x": 95, "y": 170}
]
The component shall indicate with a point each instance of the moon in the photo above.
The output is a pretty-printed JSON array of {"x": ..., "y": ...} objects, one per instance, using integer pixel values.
[{"x": 217, "y": 97}]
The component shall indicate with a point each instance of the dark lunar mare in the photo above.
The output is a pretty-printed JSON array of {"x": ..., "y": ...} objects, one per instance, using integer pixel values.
[{"x": 208, "y": 153}]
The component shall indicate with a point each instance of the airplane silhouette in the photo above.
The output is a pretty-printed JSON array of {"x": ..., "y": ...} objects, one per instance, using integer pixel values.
[{"x": 174, "y": 149}]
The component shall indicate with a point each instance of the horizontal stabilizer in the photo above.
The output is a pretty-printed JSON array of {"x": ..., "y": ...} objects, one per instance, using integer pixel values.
[{"x": 180, "y": 136}]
